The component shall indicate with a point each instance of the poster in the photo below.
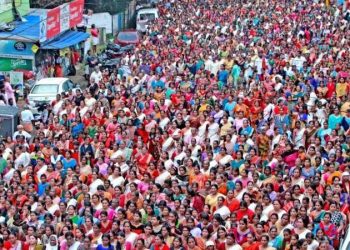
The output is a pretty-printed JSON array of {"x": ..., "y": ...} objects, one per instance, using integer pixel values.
[
  {"x": 53, "y": 25},
  {"x": 42, "y": 28},
  {"x": 64, "y": 17},
  {"x": 16, "y": 79},
  {"x": 76, "y": 9},
  {"x": 60, "y": 19}
]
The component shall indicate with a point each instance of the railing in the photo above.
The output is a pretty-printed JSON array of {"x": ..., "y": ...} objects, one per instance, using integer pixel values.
[{"x": 345, "y": 241}]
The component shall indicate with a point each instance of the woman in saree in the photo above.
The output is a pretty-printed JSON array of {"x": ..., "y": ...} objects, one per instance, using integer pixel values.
[
  {"x": 143, "y": 160},
  {"x": 254, "y": 158},
  {"x": 290, "y": 155},
  {"x": 299, "y": 135},
  {"x": 246, "y": 128},
  {"x": 255, "y": 110},
  {"x": 263, "y": 143},
  {"x": 311, "y": 132},
  {"x": 51, "y": 207},
  {"x": 241, "y": 107},
  {"x": 318, "y": 213}
]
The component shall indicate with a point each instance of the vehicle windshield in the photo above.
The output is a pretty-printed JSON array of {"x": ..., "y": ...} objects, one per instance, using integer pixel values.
[
  {"x": 127, "y": 36},
  {"x": 45, "y": 89},
  {"x": 148, "y": 16}
]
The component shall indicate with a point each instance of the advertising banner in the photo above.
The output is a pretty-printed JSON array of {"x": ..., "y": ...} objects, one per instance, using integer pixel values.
[
  {"x": 64, "y": 17},
  {"x": 8, "y": 64},
  {"x": 76, "y": 9},
  {"x": 53, "y": 26},
  {"x": 43, "y": 28},
  {"x": 14, "y": 49}
]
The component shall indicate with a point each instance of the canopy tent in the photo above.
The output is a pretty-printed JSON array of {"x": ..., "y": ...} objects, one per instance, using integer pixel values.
[
  {"x": 65, "y": 40},
  {"x": 26, "y": 31}
]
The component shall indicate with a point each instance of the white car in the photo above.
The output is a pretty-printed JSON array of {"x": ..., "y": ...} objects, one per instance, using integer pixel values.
[
  {"x": 144, "y": 16},
  {"x": 46, "y": 90}
]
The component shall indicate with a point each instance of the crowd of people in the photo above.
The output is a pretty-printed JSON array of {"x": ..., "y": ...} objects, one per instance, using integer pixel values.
[{"x": 226, "y": 129}]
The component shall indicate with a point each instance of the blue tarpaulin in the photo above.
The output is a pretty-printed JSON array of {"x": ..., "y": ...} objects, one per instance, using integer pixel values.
[
  {"x": 65, "y": 40},
  {"x": 26, "y": 31}
]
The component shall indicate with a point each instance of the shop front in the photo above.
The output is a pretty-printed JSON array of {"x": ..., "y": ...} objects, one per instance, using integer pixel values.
[{"x": 16, "y": 58}]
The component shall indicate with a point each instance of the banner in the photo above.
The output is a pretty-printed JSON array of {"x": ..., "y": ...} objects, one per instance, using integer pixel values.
[
  {"x": 43, "y": 28},
  {"x": 76, "y": 9},
  {"x": 8, "y": 64},
  {"x": 6, "y": 13},
  {"x": 16, "y": 78},
  {"x": 64, "y": 17},
  {"x": 53, "y": 25}
]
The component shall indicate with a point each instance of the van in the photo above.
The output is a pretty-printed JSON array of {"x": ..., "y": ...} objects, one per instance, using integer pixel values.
[{"x": 144, "y": 16}]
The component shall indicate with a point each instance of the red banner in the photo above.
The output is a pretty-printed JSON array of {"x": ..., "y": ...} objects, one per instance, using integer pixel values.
[
  {"x": 53, "y": 23},
  {"x": 76, "y": 9}
]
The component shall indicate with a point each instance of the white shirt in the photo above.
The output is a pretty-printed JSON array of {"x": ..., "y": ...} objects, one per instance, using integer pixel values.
[
  {"x": 54, "y": 159},
  {"x": 24, "y": 133},
  {"x": 298, "y": 62},
  {"x": 208, "y": 65},
  {"x": 234, "y": 247},
  {"x": 313, "y": 246},
  {"x": 75, "y": 246},
  {"x": 22, "y": 159},
  {"x": 27, "y": 115},
  {"x": 224, "y": 212},
  {"x": 96, "y": 76}
]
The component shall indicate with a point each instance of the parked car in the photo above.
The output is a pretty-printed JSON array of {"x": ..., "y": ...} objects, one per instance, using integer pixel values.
[
  {"x": 144, "y": 16},
  {"x": 128, "y": 37},
  {"x": 46, "y": 90}
]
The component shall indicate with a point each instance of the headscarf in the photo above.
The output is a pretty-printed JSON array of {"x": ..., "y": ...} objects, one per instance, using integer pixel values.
[{"x": 48, "y": 246}]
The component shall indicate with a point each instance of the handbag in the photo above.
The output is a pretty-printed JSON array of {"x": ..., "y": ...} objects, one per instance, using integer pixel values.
[{"x": 71, "y": 69}]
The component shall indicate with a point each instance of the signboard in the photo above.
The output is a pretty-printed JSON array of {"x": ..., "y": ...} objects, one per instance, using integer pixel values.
[
  {"x": 16, "y": 78},
  {"x": 17, "y": 50},
  {"x": 43, "y": 28},
  {"x": 8, "y": 64},
  {"x": 64, "y": 16},
  {"x": 60, "y": 19},
  {"x": 53, "y": 26},
  {"x": 6, "y": 14},
  {"x": 20, "y": 46},
  {"x": 76, "y": 9}
]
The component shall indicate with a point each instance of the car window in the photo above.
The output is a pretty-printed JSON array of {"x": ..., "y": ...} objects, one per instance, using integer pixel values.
[
  {"x": 45, "y": 89},
  {"x": 65, "y": 86},
  {"x": 127, "y": 36},
  {"x": 70, "y": 84},
  {"x": 148, "y": 16}
]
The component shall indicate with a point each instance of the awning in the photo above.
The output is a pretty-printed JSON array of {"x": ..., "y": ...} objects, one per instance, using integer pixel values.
[
  {"x": 26, "y": 31},
  {"x": 65, "y": 40}
]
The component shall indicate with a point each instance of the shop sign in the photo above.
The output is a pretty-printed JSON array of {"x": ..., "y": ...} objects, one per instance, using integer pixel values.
[
  {"x": 43, "y": 29},
  {"x": 20, "y": 46},
  {"x": 76, "y": 9},
  {"x": 8, "y": 64},
  {"x": 64, "y": 17},
  {"x": 53, "y": 25}
]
